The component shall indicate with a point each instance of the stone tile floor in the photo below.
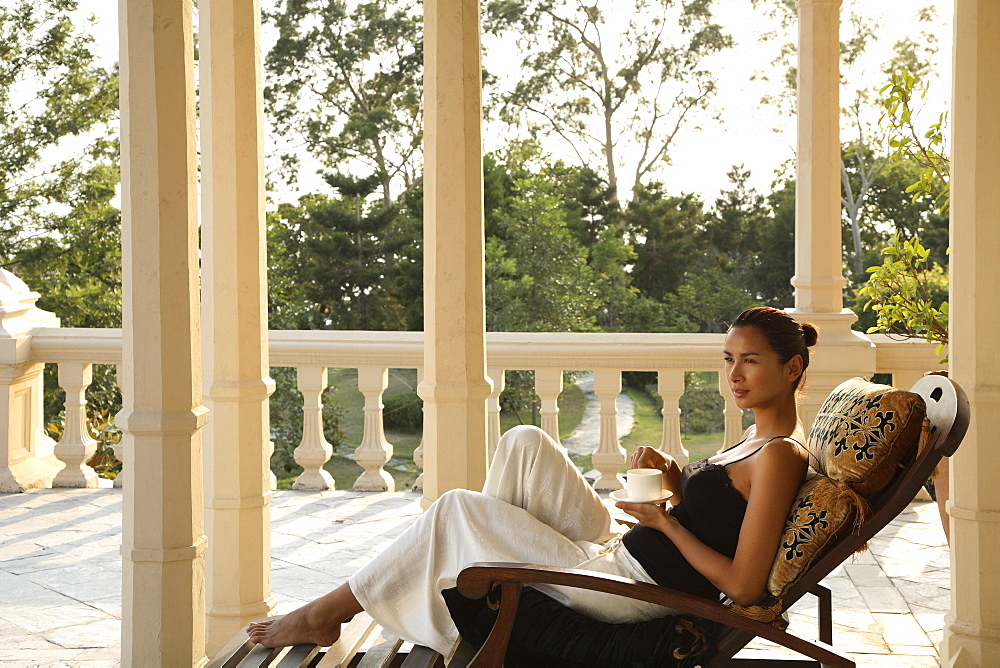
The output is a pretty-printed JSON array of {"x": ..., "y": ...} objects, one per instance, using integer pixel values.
[{"x": 60, "y": 574}]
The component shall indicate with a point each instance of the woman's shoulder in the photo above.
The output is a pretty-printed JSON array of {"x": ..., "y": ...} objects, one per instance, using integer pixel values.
[{"x": 785, "y": 452}]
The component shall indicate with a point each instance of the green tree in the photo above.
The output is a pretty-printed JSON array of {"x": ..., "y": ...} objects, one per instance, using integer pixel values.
[
  {"x": 591, "y": 92},
  {"x": 334, "y": 261},
  {"x": 707, "y": 301},
  {"x": 537, "y": 276},
  {"x": 669, "y": 238},
  {"x": 346, "y": 79},
  {"x": 59, "y": 228},
  {"x": 770, "y": 278}
]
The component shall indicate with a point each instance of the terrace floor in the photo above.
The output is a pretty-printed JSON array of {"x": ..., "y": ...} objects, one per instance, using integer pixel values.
[{"x": 60, "y": 574}]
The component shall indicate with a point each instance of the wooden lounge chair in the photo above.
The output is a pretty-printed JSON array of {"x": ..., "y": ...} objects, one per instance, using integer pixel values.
[
  {"x": 849, "y": 426},
  {"x": 897, "y": 478}
]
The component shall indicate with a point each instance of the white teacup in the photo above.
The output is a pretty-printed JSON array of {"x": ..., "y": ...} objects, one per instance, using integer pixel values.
[{"x": 644, "y": 484}]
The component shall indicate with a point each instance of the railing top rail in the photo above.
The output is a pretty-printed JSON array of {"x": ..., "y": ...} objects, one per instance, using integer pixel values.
[
  {"x": 509, "y": 350},
  {"x": 92, "y": 345}
]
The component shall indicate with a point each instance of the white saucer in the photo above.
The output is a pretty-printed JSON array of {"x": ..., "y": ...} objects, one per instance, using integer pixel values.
[{"x": 621, "y": 495}]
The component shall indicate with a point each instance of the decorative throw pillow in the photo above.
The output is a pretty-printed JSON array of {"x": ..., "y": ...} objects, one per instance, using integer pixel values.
[
  {"x": 863, "y": 431},
  {"x": 824, "y": 510}
]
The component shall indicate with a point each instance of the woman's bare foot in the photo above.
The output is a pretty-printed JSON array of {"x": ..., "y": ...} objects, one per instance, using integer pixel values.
[
  {"x": 292, "y": 629},
  {"x": 317, "y": 622}
]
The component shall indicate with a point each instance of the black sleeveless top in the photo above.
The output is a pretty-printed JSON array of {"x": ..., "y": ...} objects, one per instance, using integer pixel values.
[{"x": 712, "y": 509}]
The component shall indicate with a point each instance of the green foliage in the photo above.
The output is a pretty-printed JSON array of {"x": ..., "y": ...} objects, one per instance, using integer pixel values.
[
  {"x": 60, "y": 232},
  {"x": 333, "y": 263},
  {"x": 706, "y": 302},
  {"x": 403, "y": 412},
  {"x": 701, "y": 404},
  {"x": 907, "y": 294},
  {"x": 537, "y": 276},
  {"x": 347, "y": 78},
  {"x": 668, "y": 238},
  {"x": 927, "y": 149}
]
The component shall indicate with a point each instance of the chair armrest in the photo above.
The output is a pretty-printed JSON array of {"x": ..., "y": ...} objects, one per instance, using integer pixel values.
[{"x": 476, "y": 580}]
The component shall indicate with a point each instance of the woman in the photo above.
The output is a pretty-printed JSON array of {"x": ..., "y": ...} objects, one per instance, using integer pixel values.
[{"x": 721, "y": 533}]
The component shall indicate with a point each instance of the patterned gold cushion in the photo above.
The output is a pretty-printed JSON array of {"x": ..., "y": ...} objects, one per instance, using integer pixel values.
[
  {"x": 824, "y": 510},
  {"x": 863, "y": 431}
]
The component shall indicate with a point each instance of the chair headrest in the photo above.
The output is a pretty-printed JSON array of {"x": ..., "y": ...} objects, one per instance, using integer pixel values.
[{"x": 863, "y": 431}]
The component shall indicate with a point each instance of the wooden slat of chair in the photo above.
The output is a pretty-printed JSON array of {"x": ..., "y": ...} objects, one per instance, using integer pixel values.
[
  {"x": 300, "y": 655},
  {"x": 351, "y": 639},
  {"x": 382, "y": 652},
  {"x": 240, "y": 652},
  {"x": 234, "y": 651},
  {"x": 423, "y": 657}
]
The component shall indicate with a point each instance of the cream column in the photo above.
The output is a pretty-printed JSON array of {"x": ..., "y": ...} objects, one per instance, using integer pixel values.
[
  {"x": 234, "y": 287},
  {"x": 819, "y": 279},
  {"x": 455, "y": 386},
  {"x": 972, "y": 627},
  {"x": 163, "y": 541}
]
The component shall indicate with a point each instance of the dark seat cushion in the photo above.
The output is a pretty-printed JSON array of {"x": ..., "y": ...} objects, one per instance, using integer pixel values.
[{"x": 547, "y": 633}]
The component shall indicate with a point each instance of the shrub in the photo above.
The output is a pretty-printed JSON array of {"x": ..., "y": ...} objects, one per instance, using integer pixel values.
[{"x": 403, "y": 412}]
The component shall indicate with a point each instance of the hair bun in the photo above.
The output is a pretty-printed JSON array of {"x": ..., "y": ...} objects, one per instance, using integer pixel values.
[{"x": 810, "y": 333}]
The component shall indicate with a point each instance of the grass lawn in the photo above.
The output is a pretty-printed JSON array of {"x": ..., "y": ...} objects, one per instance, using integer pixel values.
[{"x": 401, "y": 467}]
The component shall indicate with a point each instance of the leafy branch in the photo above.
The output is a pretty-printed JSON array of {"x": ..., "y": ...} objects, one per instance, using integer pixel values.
[
  {"x": 902, "y": 293},
  {"x": 927, "y": 149}
]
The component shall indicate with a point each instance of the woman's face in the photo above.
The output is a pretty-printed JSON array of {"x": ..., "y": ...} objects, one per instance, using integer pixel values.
[{"x": 756, "y": 377}]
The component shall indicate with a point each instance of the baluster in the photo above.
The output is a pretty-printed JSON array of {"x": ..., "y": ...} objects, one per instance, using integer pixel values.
[
  {"x": 670, "y": 385},
  {"x": 374, "y": 451},
  {"x": 493, "y": 409},
  {"x": 733, "y": 415},
  {"x": 609, "y": 458},
  {"x": 314, "y": 451},
  {"x": 76, "y": 446},
  {"x": 548, "y": 387},
  {"x": 418, "y": 453}
]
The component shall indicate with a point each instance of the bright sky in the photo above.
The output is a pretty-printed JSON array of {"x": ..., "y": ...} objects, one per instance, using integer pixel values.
[{"x": 759, "y": 136}]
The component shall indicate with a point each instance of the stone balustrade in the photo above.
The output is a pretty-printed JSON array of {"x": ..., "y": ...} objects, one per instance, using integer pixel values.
[{"x": 313, "y": 353}]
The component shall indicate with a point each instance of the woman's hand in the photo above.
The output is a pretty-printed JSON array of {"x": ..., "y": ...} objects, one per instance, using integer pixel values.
[
  {"x": 651, "y": 458},
  {"x": 652, "y": 515}
]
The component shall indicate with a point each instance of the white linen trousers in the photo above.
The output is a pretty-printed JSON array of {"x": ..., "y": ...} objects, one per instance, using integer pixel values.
[{"x": 536, "y": 508}]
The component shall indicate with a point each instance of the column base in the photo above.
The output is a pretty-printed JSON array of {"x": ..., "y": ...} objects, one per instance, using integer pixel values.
[
  {"x": 225, "y": 622},
  {"x": 608, "y": 482},
  {"x": 34, "y": 473},
  {"x": 77, "y": 476},
  {"x": 374, "y": 481},
  {"x": 964, "y": 647},
  {"x": 314, "y": 480}
]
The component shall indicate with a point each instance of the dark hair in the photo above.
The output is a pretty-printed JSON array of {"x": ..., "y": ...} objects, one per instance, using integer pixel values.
[{"x": 785, "y": 336}]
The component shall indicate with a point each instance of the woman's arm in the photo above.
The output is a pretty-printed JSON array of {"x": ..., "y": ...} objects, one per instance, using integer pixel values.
[
  {"x": 651, "y": 458},
  {"x": 775, "y": 479}
]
